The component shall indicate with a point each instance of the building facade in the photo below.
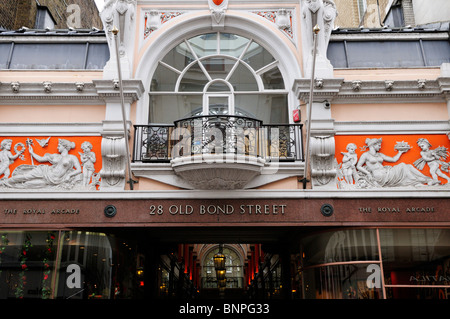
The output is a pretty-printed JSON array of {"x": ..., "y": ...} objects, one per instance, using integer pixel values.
[{"x": 135, "y": 158}]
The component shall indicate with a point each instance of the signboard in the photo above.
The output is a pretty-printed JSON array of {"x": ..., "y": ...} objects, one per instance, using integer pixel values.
[{"x": 220, "y": 212}]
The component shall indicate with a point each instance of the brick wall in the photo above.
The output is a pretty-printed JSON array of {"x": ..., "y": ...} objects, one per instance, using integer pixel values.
[
  {"x": 348, "y": 16},
  {"x": 408, "y": 12},
  {"x": 7, "y": 14},
  {"x": 18, "y": 13},
  {"x": 348, "y": 13}
]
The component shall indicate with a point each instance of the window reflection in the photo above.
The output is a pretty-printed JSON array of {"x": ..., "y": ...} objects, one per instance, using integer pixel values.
[
  {"x": 27, "y": 262},
  {"x": 341, "y": 246},
  {"x": 416, "y": 257},
  {"x": 414, "y": 263},
  {"x": 339, "y": 282}
]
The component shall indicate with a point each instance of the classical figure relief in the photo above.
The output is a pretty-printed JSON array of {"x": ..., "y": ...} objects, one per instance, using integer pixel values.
[
  {"x": 64, "y": 171},
  {"x": 87, "y": 161},
  {"x": 349, "y": 164},
  {"x": 435, "y": 159},
  {"x": 7, "y": 157},
  {"x": 369, "y": 170}
]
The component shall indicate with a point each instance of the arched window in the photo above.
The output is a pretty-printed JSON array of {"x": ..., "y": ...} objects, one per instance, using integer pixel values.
[
  {"x": 218, "y": 73},
  {"x": 234, "y": 269}
]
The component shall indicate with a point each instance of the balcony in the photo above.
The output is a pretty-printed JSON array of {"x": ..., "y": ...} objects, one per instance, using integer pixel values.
[{"x": 219, "y": 151}]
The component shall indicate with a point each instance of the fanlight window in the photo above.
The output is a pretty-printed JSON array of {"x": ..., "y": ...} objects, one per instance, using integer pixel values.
[
  {"x": 233, "y": 265},
  {"x": 218, "y": 73}
]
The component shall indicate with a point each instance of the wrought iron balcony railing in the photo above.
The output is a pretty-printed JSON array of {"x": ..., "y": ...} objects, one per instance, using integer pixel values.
[{"x": 218, "y": 134}]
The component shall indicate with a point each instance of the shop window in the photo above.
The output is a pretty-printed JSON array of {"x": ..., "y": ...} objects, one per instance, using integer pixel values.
[
  {"x": 416, "y": 263},
  {"x": 27, "y": 263},
  {"x": 345, "y": 264},
  {"x": 339, "y": 282},
  {"x": 341, "y": 246},
  {"x": 88, "y": 265}
]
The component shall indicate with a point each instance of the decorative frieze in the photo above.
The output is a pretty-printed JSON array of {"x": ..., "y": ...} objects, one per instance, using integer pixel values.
[
  {"x": 49, "y": 163},
  {"x": 393, "y": 161},
  {"x": 283, "y": 18},
  {"x": 154, "y": 19}
]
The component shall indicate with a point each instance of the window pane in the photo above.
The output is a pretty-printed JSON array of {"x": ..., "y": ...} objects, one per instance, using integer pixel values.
[
  {"x": 273, "y": 80},
  {"x": 165, "y": 109},
  {"x": 194, "y": 80},
  {"x": 339, "y": 246},
  {"x": 98, "y": 55},
  {"x": 416, "y": 256},
  {"x": 436, "y": 52},
  {"x": 243, "y": 79},
  {"x": 27, "y": 261},
  {"x": 164, "y": 79},
  {"x": 257, "y": 56},
  {"x": 339, "y": 282},
  {"x": 218, "y": 67},
  {"x": 205, "y": 44},
  {"x": 269, "y": 108},
  {"x": 48, "y": 56},
  {"x": 232, "y": 44},
  {"x": 4, "y": 54},
  {"x": 218, "y": 87},
  {"x": 384, "y": 54},
  {"x": 179, "y": 57},
  {"x": 336, "y": 54},
  {"x": 417, "y": 293}
]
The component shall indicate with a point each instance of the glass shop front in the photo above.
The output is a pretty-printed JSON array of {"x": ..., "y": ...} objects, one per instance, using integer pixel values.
[{"x": 337, "y": 263}]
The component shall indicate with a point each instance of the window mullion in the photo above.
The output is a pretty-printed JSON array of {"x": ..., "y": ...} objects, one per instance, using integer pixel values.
[
  {"x": 199, "y": 62},
  {"x": 230, "y": 74},
  {"x": 170, "y": 67}
]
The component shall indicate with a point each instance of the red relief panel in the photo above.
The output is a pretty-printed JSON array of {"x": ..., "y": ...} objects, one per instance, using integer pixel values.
[
  {"x": 416, "y": 155},
  {"x": 21, "y": 156}
]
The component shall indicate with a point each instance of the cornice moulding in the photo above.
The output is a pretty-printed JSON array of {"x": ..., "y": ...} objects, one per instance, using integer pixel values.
[
  {"x": 391, "y": 127},
  {"x": 340, "y": 91},
  {"x": 95, "y": 92},
  {"x": 388, "y": 36},
  {"x": 221, "y": 194},
  {"x": 46, "y": 129}
]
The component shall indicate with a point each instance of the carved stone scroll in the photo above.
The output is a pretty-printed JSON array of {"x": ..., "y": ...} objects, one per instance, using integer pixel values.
[{"x": 114, "y": 165}]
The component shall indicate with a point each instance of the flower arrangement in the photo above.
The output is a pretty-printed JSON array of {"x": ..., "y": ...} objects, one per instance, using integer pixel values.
[
  {"x": 23, "y": 264},
  {"x": 46, "y": 289}
]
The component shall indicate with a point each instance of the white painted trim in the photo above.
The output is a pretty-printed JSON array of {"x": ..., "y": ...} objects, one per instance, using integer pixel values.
[
  {"x": 230, "y": 194},
  {"x": 46, "y": 129},
  {"x": 392, "y": 127}
]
